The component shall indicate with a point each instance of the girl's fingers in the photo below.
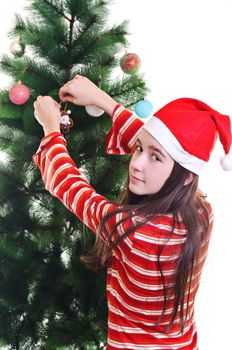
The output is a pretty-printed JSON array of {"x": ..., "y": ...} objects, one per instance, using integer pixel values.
[
  {"x": 39, "y": 98},
  {"x": 65, "y": 96},
  {"x": 68, "y": 98},
  {"x": 66, "y": 91},
  {"x": 57, "y": 104},
  {"x": 46, "y": 99},
  {"x": 62, "y": 92}
]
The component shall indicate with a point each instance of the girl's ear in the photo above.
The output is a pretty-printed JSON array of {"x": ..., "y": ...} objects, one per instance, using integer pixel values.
[{"x": 189, "y": 179}]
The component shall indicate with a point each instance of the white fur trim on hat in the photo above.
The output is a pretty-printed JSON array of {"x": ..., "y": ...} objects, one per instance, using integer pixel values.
[
  {"x": 169, "y": 142},
  {"x": 226, "y": 161}
]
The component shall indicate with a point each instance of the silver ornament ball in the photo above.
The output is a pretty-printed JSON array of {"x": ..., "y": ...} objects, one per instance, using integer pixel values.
[{"x": 17, "y": 48}]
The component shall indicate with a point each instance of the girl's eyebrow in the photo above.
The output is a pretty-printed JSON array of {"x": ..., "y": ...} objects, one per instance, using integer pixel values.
[{"x": 153, "y": 148}]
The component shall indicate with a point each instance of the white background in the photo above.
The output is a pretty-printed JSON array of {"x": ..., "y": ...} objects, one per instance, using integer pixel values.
[{"x": 186, "y": 51}]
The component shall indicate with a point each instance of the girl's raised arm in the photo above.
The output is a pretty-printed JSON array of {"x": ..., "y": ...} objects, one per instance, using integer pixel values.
[
  {"x": 126, "y": 126},
  {"x": 61, "y": 176}
]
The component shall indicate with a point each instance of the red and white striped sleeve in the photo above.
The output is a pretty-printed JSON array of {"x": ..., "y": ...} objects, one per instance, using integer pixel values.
[
  {"x": 124, "y": 132},
  {"x": 64, "y": 181}
]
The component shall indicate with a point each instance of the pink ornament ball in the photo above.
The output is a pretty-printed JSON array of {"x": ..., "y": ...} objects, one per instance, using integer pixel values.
[{"x": 19, "y": 94}]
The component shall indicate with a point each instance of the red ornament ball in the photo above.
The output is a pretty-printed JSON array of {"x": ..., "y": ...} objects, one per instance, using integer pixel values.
[
  {"x": 130, "y": 63},
  {"x": 19, "y": 94}
]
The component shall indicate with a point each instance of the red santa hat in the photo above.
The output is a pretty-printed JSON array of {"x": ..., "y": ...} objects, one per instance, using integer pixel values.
[{"x": 187, "y": 129}]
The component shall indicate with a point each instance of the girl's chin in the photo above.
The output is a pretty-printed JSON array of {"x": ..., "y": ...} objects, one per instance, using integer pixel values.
[{"x": 135, "y": 190}]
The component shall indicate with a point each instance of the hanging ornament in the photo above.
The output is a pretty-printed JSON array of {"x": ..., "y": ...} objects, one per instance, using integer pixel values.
[
  {"x": 130, "y": 63},
  {"x": 144, "y": 109},
  {"x": 19, "y": 94},
  {"x": 94, "y": 111},
  {"x": 65, "y": 121},
  {"x": 17, "y": 48}
]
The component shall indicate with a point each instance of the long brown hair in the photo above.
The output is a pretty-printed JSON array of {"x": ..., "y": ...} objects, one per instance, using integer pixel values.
[{"x": 182, "y": 201}]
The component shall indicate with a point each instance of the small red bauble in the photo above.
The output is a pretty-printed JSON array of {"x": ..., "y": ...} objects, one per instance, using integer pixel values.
[
  {"x": 19, "y": 94},
  {"x": 130, "y": 63}
]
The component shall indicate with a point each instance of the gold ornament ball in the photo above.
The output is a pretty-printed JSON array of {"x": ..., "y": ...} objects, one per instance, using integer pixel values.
[{"x": 17, "y": 48}]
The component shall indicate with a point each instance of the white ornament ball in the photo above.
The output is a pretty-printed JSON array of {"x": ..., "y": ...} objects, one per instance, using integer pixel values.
[{"x": 94, "y": 111}]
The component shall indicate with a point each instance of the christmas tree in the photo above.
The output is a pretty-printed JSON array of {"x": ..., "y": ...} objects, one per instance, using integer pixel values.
[{"x": 48, "y": 298}]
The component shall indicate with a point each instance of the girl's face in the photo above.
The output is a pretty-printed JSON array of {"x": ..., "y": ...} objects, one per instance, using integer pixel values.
[{"x": 149, "y": 167}]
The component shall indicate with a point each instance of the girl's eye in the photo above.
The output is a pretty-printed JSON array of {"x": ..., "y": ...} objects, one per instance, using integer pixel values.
[
  {"x": 138, "y": 148},
  {"x": 155, "y": 157}
]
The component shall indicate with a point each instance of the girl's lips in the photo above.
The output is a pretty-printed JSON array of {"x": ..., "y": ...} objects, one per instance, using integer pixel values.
[{"x": 135, "y": 179}]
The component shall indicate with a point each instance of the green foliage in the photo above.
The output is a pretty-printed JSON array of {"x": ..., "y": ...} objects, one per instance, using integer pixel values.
[{"x": 48, "y": 299}]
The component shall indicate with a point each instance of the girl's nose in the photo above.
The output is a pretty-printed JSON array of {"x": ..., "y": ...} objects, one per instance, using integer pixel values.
[{"x": 139, "y": 163}]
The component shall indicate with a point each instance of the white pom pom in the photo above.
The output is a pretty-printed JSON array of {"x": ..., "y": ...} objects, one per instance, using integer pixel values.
[{"x": 226, "y": 161}]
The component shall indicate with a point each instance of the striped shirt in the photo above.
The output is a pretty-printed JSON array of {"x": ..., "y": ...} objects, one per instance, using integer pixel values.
[{"x": 134, "y": 286}]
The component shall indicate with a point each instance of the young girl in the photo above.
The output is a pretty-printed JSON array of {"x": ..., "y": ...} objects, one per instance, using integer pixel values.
[{"x": 154, "y": 244}]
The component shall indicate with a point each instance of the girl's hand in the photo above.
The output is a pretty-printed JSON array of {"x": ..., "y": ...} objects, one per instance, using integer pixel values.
[
  {"x": 81, "y": 91},
  {"x": 47, "y": 112}
]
